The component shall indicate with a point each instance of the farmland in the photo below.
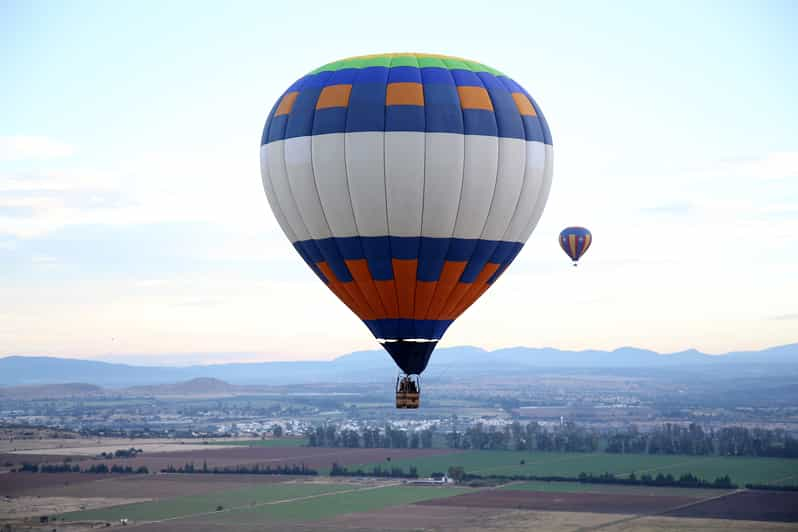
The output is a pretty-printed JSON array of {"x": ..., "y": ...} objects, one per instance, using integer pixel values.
[
  {"x": 241, "y": 503},
  {"x": 742, "y": 470}
]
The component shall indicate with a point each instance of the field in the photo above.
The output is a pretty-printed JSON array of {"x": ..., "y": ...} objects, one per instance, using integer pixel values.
[
  {"x": 189, "y": 505},
  {"x": 579, "y": 487},
  {"x": 742, "y": 470},
  {"x": 277, "y": 442},
  {"x": 313, "y": 457},
  {"x": 249, "y": 503}
]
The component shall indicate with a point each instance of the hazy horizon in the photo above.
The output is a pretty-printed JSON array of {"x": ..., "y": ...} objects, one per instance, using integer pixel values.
[{"x": 235, "y": 357}]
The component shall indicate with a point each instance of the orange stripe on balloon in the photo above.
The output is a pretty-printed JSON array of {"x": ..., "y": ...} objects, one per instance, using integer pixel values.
[
  {"x": 334, "y": 96},
  {"x": 366, "y": 312},
  {"x": 588, "y": 241},
  {"x": 446, "y": 282},
  {"x": 572, "y": 246},
  {"x": 359, "y": 269},
  {"x": 474, "y": 290},
  {"x": 404, "y": 93},
  {"x": 387, "y": 291},
  {"x": 335, "y": 287},
  {"x": 286, "y": 104},
  {"x": 425, "y": 290},
  {"x": 474, "y": 98},
  {"x": 404, "y": 274},
  {"x": 523, "y": 104},
  {"x": 462, "y": 308}
]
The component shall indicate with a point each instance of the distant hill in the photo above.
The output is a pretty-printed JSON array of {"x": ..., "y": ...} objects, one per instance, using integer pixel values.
[
  {"x": 376, "y": 365},
  {"x": 198, "y": 386},
  {"x": 48, "y": 391}
]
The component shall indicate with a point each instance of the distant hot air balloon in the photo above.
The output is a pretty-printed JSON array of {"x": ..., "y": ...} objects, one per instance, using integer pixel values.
[
  {"x": 575, "y": 241},
  {"x": 408, "y": 183}
]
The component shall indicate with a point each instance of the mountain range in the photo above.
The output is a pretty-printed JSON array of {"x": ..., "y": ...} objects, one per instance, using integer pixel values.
[{"x": 376, "y": 365}]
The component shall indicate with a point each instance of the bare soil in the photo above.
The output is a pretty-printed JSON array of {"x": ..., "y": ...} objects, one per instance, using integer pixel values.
[
  {"x": 16, "y": 484},
  {"x": 748, "y": 506},
  {"x": 564, "y": 502},
  {"x": 124, "y": 486},
  {"x": 20, "y": 507}
]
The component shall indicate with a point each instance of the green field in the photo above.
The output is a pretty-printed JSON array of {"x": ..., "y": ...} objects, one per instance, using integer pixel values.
[
  {"x": 277, "y": 442},
  {"x": 741, "y": 469},
  {"x": 270, "y": 502},
  {"x": 360, "y": 500},
  {"x": 197, "y": 504}
]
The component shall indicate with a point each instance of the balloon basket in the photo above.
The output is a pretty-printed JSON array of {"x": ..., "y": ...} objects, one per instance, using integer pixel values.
[{"x": 408, "y": 391}]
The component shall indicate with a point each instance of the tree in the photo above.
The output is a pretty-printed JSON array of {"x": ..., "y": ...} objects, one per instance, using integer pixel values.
[
  {"x": 456, "y": 473},
  {"x": 277, "y": 431}
]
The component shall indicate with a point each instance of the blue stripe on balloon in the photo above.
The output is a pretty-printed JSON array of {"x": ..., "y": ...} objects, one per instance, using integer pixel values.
[
  {"x": 508, "y": 119},
  {"x": 367, "y": 110},
  {"x": 330, "y": 120},
  {"x": 404, "y": 74},
  {"x": 300, "y": 120},
  {"x": 483, "y": 251},
  {"x": 431, "y": 253},
  {"x": 466, "y": 78},
  {"x": 480, "y": 122},
  {"x": 404, "y": 118},
  {"x": 437, "y": 76},
  {"x": 392, "y": 329}
]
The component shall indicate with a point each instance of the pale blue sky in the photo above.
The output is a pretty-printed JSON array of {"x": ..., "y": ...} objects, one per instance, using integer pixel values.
[{"x": 133, "y": 221}]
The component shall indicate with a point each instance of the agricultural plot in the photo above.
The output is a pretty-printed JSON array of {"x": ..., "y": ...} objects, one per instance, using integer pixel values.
[
  {"x": 313, "y": 457},
  {"x": 276, "y": 442},
  {"x": 362, "y": 499},
  {"x": 742, "y": 470},
  {"x": 124, "y": 486},
  {"x": 186, "y": 506},
  {"x": 748, "y": 506},
  {"x": 579, "y": 487}
]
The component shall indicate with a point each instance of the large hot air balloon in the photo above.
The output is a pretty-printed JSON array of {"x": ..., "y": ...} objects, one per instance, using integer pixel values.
[
  {"x": 408, "y": 183},
  {"x": 575, "y": 241}
]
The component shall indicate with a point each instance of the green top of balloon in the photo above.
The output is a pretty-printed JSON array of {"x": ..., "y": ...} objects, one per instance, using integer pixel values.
[{"x": 408, "y": 59}]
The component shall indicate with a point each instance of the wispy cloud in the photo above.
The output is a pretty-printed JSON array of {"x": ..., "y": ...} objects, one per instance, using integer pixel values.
[{"x": 29, "y": 147}]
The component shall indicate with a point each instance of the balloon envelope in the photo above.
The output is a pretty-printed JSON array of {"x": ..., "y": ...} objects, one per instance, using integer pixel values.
[
  {"x": 575, "y": 241},
  {"x": 408, "y": 183}
]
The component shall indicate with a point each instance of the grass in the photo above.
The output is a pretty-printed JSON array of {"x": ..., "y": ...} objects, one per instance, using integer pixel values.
[
  {"x": 578, "y": 487},
  {"x": 741, "y": 469},
  {"x": 276, "y": 442},
  {"x": 195, "y": 504},
  {"x": 361, "y": 500}
]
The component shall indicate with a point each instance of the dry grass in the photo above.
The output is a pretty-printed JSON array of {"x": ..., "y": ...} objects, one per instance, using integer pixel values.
[{"x": 21, "y": 507}]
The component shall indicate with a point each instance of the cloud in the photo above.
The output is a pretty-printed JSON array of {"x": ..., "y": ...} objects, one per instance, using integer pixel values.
[{"x": 23, "y": 147}]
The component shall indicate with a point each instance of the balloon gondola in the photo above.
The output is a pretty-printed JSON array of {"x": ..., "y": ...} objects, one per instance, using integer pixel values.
[
  {"x": 408, "y": 391},
  {"x": 408, "y": 183}
]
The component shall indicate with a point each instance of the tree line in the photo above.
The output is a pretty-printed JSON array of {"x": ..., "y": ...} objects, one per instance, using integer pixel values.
[
  {"x": 75, "y": 468},
  {"x": 376, "y": 471},
  {"x": 668, "y": 438},
  {"x": 387, "y": 438},
  {"x": 256, "y": 469},
  {"x": 687, "y": 480}
]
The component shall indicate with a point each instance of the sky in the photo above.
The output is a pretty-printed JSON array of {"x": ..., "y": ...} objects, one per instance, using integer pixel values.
[{"x": 134, "y": 227}]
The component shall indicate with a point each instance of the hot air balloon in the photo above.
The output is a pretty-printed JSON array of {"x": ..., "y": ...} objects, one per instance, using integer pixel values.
[
  {"x": 408, "y": 183},
  {"x": 575, "y": 241}
]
